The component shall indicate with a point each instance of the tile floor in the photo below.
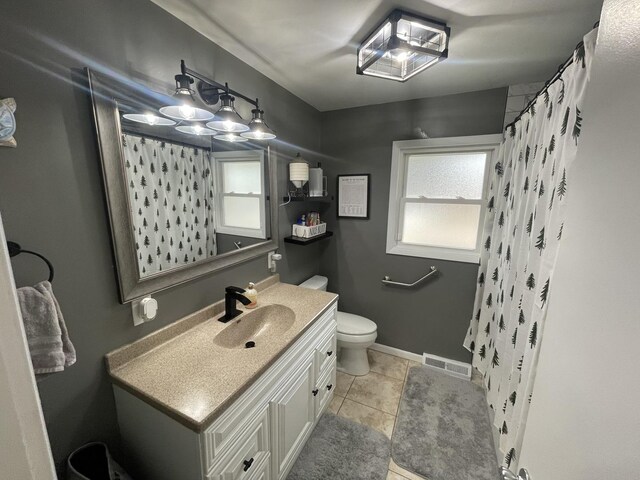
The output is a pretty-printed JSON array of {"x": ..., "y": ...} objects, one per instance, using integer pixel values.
[{"x": 373, "y": 399}]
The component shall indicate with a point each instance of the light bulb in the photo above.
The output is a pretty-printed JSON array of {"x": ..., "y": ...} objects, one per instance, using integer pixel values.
[
  {"x": 151, "y": 119},
  {"x": 401, "y": 55},
  {"x": 187, "y": 111}
]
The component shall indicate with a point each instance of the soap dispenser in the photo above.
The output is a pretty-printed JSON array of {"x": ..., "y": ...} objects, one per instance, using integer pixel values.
[{"x": 252, "y": 294}]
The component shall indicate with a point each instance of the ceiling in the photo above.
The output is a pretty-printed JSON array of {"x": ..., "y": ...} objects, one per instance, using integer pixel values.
[{"x": 309, "y": 46}]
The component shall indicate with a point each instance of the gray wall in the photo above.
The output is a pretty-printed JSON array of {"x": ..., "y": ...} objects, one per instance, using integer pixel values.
[
  {"x": 434, "y": 317},
  {"x": 51, "y": 196}
]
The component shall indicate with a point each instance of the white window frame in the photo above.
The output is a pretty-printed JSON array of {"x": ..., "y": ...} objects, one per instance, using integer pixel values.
[
  {"x": 219, "y": 159},
  {"x": 402, "y": 150}
]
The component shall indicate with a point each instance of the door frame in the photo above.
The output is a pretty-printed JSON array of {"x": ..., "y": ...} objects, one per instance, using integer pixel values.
[{"x": 25, "y": 452}]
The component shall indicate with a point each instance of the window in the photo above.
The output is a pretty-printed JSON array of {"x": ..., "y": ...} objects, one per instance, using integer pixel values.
[
  {"x": 240, "y": 195},
  {"x": 437, "y": 196}
]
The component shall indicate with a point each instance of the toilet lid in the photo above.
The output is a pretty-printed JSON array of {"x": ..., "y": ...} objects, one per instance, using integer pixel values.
[{"x": 355, "y": 324}]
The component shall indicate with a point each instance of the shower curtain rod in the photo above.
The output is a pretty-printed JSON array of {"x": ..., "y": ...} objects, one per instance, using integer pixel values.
[{"x": 548, "y": 83}]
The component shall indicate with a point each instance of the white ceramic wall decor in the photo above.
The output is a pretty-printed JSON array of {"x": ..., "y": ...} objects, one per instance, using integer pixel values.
[{"x": 7, "y": 122}]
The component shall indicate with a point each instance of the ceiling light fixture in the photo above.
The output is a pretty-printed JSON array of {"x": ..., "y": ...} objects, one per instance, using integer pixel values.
[
  {"x": 184, "y": 105},
  {"x": 258, "y": 129},
  {"x": 402, "y": 46}
]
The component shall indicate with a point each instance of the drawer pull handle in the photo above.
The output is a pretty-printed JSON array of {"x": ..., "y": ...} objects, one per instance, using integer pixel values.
[
  {"x": 314, "y": 391},
  {"x": 329, "y": 387},
  {"x": 247, "y": 464},
  {"x": 329, "y": 353}
]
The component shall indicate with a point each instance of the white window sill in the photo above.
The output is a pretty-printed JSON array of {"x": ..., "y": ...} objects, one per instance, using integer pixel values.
[
  {"x": 241, "y": 232},
  {"x": 437, "y": 253}
]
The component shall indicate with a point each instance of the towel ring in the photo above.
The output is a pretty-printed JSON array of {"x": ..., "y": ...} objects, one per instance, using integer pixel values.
[{"x": 16, "y": 249}]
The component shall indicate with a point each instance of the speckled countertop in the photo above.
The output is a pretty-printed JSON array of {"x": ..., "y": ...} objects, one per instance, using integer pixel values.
[{"x": 182, "y": 372}]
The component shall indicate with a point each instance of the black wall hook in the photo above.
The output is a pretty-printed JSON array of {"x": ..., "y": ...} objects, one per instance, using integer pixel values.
[{"x": 16, "y": 249}]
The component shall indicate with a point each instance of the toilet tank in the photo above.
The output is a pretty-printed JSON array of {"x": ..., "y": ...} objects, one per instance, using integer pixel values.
[{"x": 317, "y": 282}]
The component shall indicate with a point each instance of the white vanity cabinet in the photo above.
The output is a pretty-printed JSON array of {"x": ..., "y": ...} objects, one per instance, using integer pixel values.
[{"x": 258, "y": 437}]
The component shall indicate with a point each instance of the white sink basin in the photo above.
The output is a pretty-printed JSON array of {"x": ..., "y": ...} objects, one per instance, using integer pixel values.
[{"x": 256, "y": 326}]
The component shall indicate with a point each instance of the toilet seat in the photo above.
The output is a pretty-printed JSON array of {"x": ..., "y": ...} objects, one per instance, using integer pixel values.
[{"x": 355, "y": 329}]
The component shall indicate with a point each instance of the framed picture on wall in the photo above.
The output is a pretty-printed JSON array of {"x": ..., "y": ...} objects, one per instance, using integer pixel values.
[{"x": 353, "y": 196}]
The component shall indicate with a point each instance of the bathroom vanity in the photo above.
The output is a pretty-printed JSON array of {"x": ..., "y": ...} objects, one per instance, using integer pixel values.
[{"x": 194, "y": 403}]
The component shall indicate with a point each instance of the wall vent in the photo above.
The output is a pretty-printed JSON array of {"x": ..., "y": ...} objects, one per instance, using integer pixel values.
[{"x": 451, "y": 367}]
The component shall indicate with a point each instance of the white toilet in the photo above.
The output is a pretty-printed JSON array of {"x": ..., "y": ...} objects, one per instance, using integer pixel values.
[{"x": 355, "y": 335}]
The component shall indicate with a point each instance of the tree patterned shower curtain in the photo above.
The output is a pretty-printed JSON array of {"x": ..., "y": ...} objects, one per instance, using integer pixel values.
[
  {"x": 171, "y": 196},
  {"x": 530, "y": 185}
]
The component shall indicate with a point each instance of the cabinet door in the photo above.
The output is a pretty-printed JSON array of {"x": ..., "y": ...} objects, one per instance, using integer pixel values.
[{"x": 293, "y": 411}]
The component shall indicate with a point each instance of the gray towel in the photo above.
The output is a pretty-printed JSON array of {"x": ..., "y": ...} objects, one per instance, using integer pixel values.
[{"x": 47, "y": 336}]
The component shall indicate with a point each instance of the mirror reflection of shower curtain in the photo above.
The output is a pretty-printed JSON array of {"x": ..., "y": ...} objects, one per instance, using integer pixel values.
[
  {"x": 529, "y": 185},
  {"x": 171, "y": 197}
]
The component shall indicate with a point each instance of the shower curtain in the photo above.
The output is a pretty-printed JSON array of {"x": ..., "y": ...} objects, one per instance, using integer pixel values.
[
  {"x": 530, "y": 186},
  {"x": 171, "y": 197}
]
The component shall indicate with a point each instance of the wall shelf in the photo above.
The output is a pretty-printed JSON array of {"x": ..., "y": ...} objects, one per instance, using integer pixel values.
[{"x": 307, "y": 241}]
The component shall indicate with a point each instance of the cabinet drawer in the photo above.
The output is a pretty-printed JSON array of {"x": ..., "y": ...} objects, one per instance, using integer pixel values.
[
  {"x": 262, "y": 470},
  {"x": 325, "y": 354},
  {"x": 325, "y": 387},
  {"x": 248, "y": 451}
]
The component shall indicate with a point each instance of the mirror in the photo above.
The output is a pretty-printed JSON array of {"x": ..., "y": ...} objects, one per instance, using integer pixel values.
[{"x": 181, "y": 203}]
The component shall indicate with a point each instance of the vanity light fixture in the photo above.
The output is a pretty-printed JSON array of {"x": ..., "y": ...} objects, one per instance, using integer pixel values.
[
  {"x": 196, "y": 129},
  {"x": 149, "y": 119},
  {"x": 402, "y": 46},
  {"x": 230, "y": 137},
  {"x": 185, "y": 106},
  {"x": 227, "y": 119},
  {"x": 227, "y": 122},
  {"x": 258, "y": 129}
]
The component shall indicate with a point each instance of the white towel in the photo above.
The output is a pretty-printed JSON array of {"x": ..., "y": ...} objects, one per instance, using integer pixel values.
[{"x": 49, "y": 344}]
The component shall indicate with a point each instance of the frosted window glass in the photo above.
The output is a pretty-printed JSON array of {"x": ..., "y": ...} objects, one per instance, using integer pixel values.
[
  {"x": 243, "y": 212},
  {"x": 446, "y": 175},
  {"x": 441, "y": 225},
  {"x": 241, "y": 177}
]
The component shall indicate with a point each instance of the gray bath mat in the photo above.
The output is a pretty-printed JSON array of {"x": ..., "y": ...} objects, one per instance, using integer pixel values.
[
  {"x": 340, "y": 449},
  {"x": 443, "y": 430}
]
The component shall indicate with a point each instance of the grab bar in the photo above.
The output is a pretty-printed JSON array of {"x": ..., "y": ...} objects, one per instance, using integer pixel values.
[{"x": 387, "y": 280}]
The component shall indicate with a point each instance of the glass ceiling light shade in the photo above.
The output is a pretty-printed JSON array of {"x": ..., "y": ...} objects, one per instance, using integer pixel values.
[
  {"x": 227, "y": 119},
  {"x": 185, "y": 107},
  {"x": 230, "y": 137},
  {"x": 402, "y": 46},
  {"x": 258, "y": 129},
  {"x": 196, "y": 130},
  {"x": 148, "y": 118}
]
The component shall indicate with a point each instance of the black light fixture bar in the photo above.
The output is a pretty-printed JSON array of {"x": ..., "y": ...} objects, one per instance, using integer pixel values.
[{"x": 187, "y": 71}]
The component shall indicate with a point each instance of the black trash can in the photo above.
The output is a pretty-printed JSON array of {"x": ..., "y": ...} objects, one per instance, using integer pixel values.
[{"x": 93, "y": 462}]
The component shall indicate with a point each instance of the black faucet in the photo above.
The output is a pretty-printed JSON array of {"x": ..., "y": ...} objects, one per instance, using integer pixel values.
[{"x": 231, "y": 295}]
